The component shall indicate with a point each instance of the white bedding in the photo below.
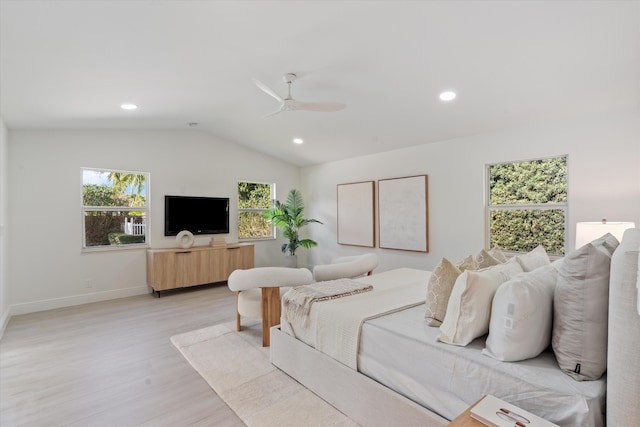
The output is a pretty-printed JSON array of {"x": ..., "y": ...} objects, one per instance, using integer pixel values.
[
  {"x": 400, "y": 351},
  {"x": 333, "y": 327}
]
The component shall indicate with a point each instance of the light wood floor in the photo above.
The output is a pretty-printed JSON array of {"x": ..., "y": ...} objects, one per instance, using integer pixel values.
[{"x": 112, "y": 364}]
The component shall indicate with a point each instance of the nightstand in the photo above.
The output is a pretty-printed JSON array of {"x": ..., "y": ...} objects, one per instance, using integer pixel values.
[{"x": 465, "y": 420}]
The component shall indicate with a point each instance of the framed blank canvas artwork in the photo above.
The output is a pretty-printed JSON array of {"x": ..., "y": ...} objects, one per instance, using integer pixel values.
[
  {"x": 403, "y": 215},
  {"x": 356, "y": 212}
]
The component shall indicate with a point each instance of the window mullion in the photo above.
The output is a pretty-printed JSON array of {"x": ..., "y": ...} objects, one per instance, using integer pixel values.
[
  {"x": 541, "y": 206},
  {"x": 115, "y": 208}
]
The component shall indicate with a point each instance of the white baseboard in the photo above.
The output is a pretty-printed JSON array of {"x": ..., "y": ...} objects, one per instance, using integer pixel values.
[
  {"x": 4, "y": 321},
  {"x": 42, "y": 305}
]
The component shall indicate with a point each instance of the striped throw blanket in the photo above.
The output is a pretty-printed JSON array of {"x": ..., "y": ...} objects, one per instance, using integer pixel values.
[{"x": 297, "y": 302}]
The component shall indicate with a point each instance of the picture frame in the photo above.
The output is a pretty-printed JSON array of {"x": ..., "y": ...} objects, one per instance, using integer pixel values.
[
  {"x": 356, "y": 213},
  {"x": 403, "y": 213}
]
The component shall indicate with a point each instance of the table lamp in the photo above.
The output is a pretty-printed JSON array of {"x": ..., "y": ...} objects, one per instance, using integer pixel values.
[{"x": 586, "y": 232}]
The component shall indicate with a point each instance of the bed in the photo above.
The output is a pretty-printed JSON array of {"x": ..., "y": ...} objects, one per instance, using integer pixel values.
[{"x": 403, "y": 375}]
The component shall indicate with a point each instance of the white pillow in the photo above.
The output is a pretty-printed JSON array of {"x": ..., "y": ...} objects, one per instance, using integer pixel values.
[
  {"x": 581, "y": 307},
  {"x": 534, "y": 259},
  {"x": 522, "y": 316},
  {"x": 469, "y": 307}
]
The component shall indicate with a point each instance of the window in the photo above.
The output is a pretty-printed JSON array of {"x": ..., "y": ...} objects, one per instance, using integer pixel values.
[
  {"x": 114, "y": 208},
  {"x": 253, "y": 199},
  {"x": 527, "y": 205}
]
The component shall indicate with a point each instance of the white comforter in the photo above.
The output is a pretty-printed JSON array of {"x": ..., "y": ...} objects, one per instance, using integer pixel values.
[{"x": 334, "y": 326}]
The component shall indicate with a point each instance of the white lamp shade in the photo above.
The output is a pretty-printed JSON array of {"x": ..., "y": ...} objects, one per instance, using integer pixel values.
[{"x": 586, "y": 232}]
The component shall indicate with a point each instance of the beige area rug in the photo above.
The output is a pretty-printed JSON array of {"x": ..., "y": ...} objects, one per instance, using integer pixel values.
[{"x": 237, "y": 368}]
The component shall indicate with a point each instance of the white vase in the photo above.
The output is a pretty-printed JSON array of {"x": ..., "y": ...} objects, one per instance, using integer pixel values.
[
  {"x": 184, "y": 239},
  {"x": 291, "y": 261}
]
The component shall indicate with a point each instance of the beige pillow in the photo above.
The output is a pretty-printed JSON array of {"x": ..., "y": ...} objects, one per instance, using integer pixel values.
[
  {"x": 534, "y": 259},
  {"x": 497, "y": 253},
  {"x": 484, "y": 259},
  {"x": 438, "y": 291},
  {"x": 581, "y": 308},
  {"x": 469, "y": 306},
  {"x": 466, "y": 264}
]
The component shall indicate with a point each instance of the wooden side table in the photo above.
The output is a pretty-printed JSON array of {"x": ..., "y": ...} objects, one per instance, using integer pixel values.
[
  {"x": 270, "y": 312},
  {"x": 465, "y": 420}
]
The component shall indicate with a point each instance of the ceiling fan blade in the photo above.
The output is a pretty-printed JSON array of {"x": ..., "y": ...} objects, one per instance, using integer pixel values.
[
  {"x": 280, "y": 110},
  {"x": 326, "y": 107},
  {"x": 266, "y": 89}
]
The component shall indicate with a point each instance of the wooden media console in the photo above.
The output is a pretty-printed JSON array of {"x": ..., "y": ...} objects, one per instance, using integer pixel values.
[{"x": 175, "y": 268}]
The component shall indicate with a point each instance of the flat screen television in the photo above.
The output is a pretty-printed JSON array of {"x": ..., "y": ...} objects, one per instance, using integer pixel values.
[{"x": 199, "y": 215}]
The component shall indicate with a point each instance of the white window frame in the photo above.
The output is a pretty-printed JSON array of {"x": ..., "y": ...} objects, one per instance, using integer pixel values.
[
  {"x": 145, "y": 209},
  {"x": 272, "y": 196},
  {"x": 533, "y": 206}
]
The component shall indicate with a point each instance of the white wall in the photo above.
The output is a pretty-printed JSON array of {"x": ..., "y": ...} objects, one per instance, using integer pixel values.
[
  {"x": 5, "y": 302},
  {"x": 41, "y": 196},
  {"x": 48, "y": 269},
  {"x": 603, "y": 168}
]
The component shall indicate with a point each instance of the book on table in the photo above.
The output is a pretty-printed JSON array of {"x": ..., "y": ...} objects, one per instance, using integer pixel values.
[{"x": 495, "y": 412}]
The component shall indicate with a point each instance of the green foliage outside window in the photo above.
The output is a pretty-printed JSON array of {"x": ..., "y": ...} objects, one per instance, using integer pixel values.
[
  {"x": 524, "y": 230},
  {"x": 536, "y": 181},
  {"x": 104, "y": 195},
  {"x": 131, "y": 183},
  {"x": 253, "y": 199},
  {"x": 527, "y": 205}
]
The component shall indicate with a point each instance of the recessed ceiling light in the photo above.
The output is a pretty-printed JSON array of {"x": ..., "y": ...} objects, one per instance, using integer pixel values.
[
  {"x": 298, "y": 140},
  {"x": 447, "y": 96},
  {"x": 129, "y": 106}
]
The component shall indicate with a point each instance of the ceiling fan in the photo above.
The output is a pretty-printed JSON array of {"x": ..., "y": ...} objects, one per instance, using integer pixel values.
[{"x": 290, "y": 104}]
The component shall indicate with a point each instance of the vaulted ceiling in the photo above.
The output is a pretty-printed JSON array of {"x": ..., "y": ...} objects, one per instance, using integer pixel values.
[{"x": 71, "y": 64}]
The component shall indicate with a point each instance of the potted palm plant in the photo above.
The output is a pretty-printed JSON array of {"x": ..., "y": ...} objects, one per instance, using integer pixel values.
[{"x": 289, "y": 217}]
